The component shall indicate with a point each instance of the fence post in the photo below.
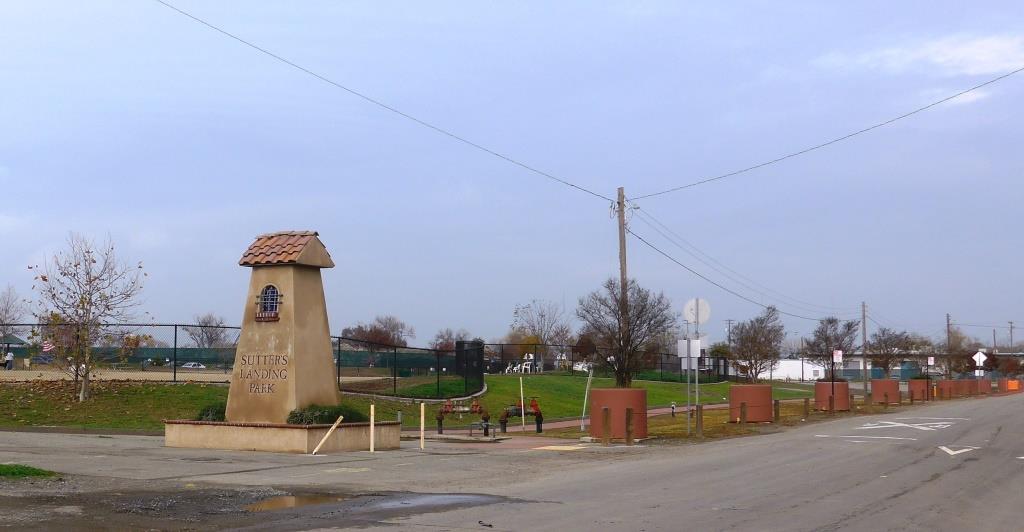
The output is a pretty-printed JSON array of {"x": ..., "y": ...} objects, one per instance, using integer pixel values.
[
  {"x": 831, "y": 405},
  {"x": 777, "y": 407},
  {"x": 852, "y": 401},
  {"x": 437, "y": 370},
  {"x": 606, "y": 428},
  {"x": 743, "y": 412},
  {"x": 337, "y": 362},
  {"x": 394, "y": 371},
  {"x": 700, "y": 421},
  {"x": 629, "y": 426},
  {"x": 807, "y": 407},
  {"x": 174, "y": 361}
]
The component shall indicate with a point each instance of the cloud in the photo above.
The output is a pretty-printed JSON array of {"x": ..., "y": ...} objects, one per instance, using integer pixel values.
[
  {"x": 948, "y": 56},
  {"x": 932, "y": 95}
]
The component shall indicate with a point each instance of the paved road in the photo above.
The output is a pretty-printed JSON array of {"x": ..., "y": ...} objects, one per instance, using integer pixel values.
[{"x": 955, "y": 465}]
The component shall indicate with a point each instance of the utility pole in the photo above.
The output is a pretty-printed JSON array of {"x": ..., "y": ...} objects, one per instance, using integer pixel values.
[
  {"x": 993, "y": 342},
  {"x": 864, "y": 346},
  {"x": 729, "y": 332},
  {"x": 949, "y": 330},
  {"x": 1011, "y": 337},
  {"x": 623, "y": 278}
]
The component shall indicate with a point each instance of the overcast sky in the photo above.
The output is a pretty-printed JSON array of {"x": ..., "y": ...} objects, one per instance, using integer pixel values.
[{"x": 129, "y": 120}]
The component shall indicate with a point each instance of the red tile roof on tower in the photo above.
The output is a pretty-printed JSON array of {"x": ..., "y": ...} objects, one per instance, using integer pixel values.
[{"x": 283, "y": 247}]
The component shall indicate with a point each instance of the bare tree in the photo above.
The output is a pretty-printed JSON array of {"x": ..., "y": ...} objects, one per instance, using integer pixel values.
[
  {"x": 887, "y": 349},
  {"x": 831, "y": 335},
  {"x": 81, "y": 288},
  {"x": 12, "y": 311},
  {"x": 545, "y": 322},
  {"x": 650, "y": 317},
  {"x": 957, "y": 352},
  {"x": 757, "y": 343},
  {"x": 445, "y": 339},
  {"x": 384, "y": 331},
  {"x": 208, "y": 332}
]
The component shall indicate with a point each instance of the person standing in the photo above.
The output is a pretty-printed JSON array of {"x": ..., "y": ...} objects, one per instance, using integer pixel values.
[{"x": 9, "y": 361}]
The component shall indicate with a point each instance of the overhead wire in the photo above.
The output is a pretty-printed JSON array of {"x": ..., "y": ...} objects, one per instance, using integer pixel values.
[
  {"x": 712, "y": 281},
  {"x": 736, "y": 277},
  {"x": 383, "y": 105},
  {"x": 832, "y": 141}
]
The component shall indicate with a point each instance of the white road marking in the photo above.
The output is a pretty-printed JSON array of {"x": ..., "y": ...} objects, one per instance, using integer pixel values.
[
  {"x": 870, "y": 437},
  {"x": 951, "y": 452},
  {"x": 917, "y": 426}
]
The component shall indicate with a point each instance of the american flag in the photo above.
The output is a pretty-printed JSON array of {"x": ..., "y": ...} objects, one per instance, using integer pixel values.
[{"x": 47, "y": 346}]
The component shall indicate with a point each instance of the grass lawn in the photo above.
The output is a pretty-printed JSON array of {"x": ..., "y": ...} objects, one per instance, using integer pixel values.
[
  {"x": 20, "y": 471},
  {"x": 143, "y": 406}
]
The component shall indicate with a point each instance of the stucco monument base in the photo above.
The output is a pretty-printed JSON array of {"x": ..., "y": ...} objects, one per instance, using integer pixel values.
[{"x": 279, "y": 438}]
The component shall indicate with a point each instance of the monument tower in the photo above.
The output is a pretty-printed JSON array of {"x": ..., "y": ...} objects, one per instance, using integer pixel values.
[{"x": 283, "y": 360}]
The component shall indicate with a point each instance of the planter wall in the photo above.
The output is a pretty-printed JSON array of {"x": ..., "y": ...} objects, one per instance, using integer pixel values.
[
  {"x": 822, "y": 391},
  {"x": 882, "y": 387},
  {"x": 947, "y": 389},
  {"x": 618, "y": 400},
  {"x": 758, "y": 398},
  {"x": 920, "y": 389}
]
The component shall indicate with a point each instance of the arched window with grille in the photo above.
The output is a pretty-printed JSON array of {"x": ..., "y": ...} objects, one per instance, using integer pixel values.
[{"x": 268, "y": 304}]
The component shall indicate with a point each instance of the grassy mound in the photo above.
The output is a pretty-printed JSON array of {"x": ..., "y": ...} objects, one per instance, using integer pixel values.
[{"x": 21, "y": 471}]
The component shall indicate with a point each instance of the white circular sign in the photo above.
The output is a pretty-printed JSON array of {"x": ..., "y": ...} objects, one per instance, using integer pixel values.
[{"x": 697, "y": 311}]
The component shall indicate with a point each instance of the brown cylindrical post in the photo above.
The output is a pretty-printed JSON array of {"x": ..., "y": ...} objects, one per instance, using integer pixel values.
[
  {"x": 629, "y": 426},
  {"x": 885, "y": 403},
  {"x": 777, "y": 407},
  {"x": 911, "y": 398},
  {"x": 867, "y": 399},
  {"x": 899, "y": 397},
  {"x": 606, "y": 418},
  {"x": 807, "y": 407},
  {"x": 743, "y": 412},
  {"x": 852, "y": 400},
  {"x": 700, "y": 421},
  {"x": 831, "y": 405}
]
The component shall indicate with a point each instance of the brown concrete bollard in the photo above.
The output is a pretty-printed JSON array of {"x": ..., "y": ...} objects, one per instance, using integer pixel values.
[
  {"x": 831, "y": 405},
  {"x": 629, "y": 426},
  {"x": 899, "y": 397},
  {"x": 807, "y": 407},
  {"x": 606, "y": 418},
  {"x": 911, "y": 398},
  {"x": 700, "y": 421},
  {"x": 743, "y": 412},
  {"x": 777, "y": 410},
  {"x": 885, "y": 402}
]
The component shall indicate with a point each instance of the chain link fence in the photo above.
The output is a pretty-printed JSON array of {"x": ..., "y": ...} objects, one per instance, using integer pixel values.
[{"x": 206, "y": 354}]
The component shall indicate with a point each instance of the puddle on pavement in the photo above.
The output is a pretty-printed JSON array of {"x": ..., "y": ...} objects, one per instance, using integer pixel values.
[
  {"x": 435, "y": 501},
  {"x": 291, "y": 501}
]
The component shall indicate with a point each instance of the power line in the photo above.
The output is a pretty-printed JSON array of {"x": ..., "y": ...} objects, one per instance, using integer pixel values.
[
  {"x": 832, "y": 141},
  {"x": 383, "y": 105},
  {"x": 647, "y": 218},
  {"x": 698, "y": 274}
]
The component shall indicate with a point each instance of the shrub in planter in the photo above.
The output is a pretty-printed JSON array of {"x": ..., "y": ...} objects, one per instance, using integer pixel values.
[
  {"x": 325, "y": 415},
  {"x": 212, "y": 412}
]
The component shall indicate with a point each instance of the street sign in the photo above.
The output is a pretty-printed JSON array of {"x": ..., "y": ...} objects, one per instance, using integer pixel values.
[
  {"x": 979, "y": 373},
  {"x": 837, "y": 356},
  {"x": 979, "y": 358},
  {"x": 931, "y": 361}
]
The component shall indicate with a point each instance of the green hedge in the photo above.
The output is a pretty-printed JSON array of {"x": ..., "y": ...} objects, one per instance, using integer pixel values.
[
  {"x": 325, "y": 415},
  {"x": 212, "y": 412}
]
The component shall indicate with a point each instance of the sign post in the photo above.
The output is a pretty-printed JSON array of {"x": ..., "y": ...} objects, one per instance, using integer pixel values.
[
  {"x": 837, "y": 356},
  {"x": 979, "y": 360}
]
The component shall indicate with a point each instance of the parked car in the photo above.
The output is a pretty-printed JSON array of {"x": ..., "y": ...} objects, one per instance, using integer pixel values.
[{"x": 192, "y": 365}]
